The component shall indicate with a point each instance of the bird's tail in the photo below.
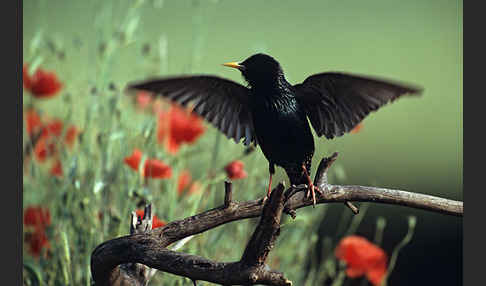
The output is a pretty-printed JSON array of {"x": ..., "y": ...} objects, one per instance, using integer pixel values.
[{"x": 296, "y": 173}]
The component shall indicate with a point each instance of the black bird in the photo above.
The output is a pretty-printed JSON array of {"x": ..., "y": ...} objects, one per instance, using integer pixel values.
[{"x": 273, "y": 113}]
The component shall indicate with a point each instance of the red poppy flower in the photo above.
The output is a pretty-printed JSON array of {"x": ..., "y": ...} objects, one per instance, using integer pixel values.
[
  {"x": 362, "y": 258},
  {"x": 178, "y": 126},
  {"x": 156, "y": 169},
  {"x": 183, "y": 181},
  {"x": 357, "y": 128},
  {"x": 143, "y": 99},
  {"x": 71, "y": 134},
  {"x": 50, "y": 131},
  {"x": 156, "y": 222},
  {"x": 37, "y": 216},
  {"x": 42, "y": 84},
  {"x": 235, "y": 170},
  {"x": 153, "y": 168},
  {"x": 134, "y": 160},
  {"x": 44, "y": 148},
  {"x": 37, "y": 240},
  {"x": 194, "y": 188},
  {"x": 33, "y": 123},
  {"x": 53, "y": 128},
  {"x": 56, "y": 169}
]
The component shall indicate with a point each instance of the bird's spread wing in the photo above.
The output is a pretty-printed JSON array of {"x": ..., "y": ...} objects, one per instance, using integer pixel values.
[
  {"x": 221, "y": 102},
  {"x": 335, "y": 102}
]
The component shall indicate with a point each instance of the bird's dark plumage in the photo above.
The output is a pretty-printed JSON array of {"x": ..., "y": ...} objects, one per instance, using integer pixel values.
[{"x": 273, "y": 113}]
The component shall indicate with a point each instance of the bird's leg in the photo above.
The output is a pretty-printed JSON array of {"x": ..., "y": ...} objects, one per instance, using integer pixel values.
[
  {"x": 271, "y": 170},
  {"x": 269, "y": 185},
  {"x": 312, "y": 188}
]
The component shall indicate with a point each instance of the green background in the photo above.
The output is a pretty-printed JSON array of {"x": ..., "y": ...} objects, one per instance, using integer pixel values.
[{"x": 414, "y": 144}]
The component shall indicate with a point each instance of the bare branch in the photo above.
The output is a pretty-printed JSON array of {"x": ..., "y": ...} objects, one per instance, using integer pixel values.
[
  {"x": 324, "y": 165},
  {"x": 228, "y": 194},
  {"x": 352, "y": 207},
  {"x": 147, "y": 250},
  {"x": 390, "y": 196},
  {"x": 130, "y": 273},
  {"x": 265, "y": 234},
  {"x": 151, "y": 249},
  {"x": 177, "y": 230}
]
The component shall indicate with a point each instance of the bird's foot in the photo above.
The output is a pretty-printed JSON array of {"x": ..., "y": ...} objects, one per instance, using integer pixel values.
[
  {"x": 269, "y": 186},
  {"x": 268, "y": 191},
  {"x": 312, "y": 188},
  {"x": 312, "y": 191}
]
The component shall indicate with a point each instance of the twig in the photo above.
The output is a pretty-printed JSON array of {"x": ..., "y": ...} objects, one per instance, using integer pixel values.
[
  {"x": 228, "y": 194},
  {"x": 352, "y": 207},
  {"x": 324, "y": 166}
]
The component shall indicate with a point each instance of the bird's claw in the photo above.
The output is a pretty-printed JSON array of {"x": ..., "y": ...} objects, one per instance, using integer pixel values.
[
  {"x": 321, "y": 192},
  {"x": 265, "y": 198},
  {"x": 312, "y": 191}
]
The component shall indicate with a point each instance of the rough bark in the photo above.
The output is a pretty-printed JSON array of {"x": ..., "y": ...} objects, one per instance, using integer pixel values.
[{"x": 149, "y": 247}]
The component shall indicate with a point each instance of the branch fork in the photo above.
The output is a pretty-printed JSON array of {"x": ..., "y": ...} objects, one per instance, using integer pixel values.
[{"x": 132, "y": 259}]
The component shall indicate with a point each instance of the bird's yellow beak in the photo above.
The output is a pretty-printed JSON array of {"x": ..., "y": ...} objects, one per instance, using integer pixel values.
[{"x": 233, "y": 65}]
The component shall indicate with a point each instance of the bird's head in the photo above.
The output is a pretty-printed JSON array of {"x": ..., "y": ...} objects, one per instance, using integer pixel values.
[{"x": 259, "y": 70}]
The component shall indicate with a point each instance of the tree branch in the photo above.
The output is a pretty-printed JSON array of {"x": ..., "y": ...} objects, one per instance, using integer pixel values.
[
  {"x": 267, "y": 231},
  {"x": 135, "y": 274},
  {"x": 228, "y": 194},
  {"x": 147, "y": 250},
  {"x": 151, "y": 249}
]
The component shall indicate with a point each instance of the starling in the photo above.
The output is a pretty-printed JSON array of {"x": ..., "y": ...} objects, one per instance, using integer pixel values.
[{"x": 272, "y": 113}]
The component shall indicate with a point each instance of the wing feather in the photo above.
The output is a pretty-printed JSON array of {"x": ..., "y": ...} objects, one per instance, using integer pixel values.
[
  {"x": 336, "y": 102},
  {"x": 221, "y": 102}
]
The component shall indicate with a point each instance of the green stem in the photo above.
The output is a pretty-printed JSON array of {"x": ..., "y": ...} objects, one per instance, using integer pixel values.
[
  {"x": 412, "y": 221},
  {"x": 380, "y": 228}
]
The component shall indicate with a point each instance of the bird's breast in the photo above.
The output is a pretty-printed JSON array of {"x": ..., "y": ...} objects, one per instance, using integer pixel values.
[{"x": 281, "y": 128}]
